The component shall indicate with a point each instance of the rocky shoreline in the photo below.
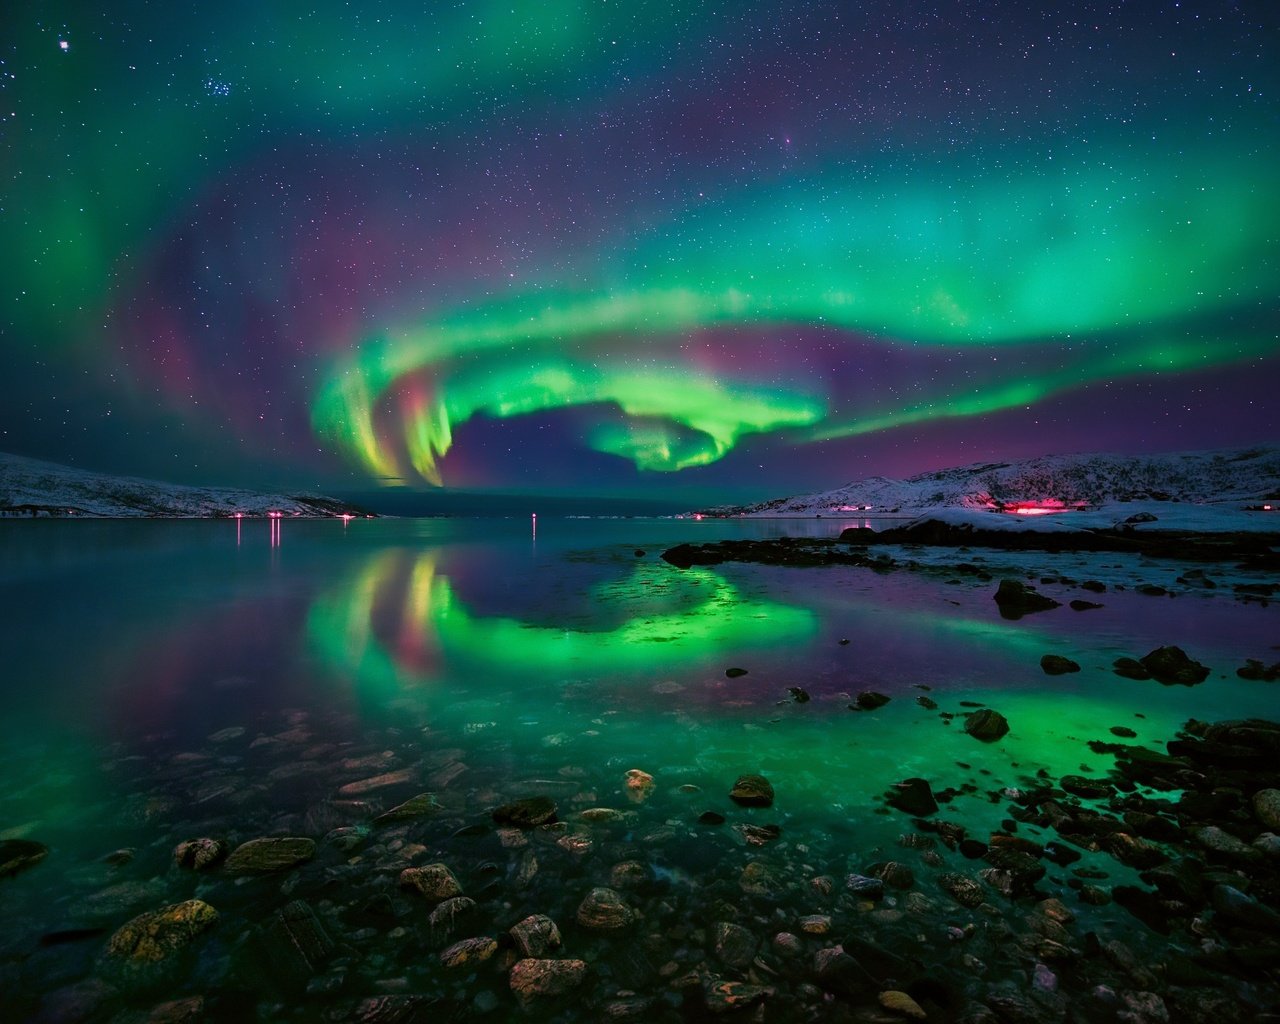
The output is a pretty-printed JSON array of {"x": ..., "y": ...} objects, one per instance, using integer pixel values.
[{"x": 606, "y": 898}]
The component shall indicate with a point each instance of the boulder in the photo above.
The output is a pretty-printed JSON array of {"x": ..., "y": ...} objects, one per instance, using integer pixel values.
[
  {"x": 752, "y": 791},
  {"x": 434, "y": 881},
  {"x": 986, "y": 725},
  {"x": 533, "y": 978},
  {"x": 1171, "y": 665},
  {"x": 1057, "y": 665},
  {"x": 536, "y": 936},
  {"x": 469, "y": 952},
  {"x": 528, "y": 812},
  {"x": 1015, "y": 599},
  {"x": 144, "y": 948},
  {"x": 18, "y": 854},
  {"x": 199, "y": 854},
  {"x": 734, "y": 944},
  {"x": 914, "y": 796},
  {"x": 604, "y": 910},
  {"x": 1266, "y": 806},
  {"x": 869, "y": 700},
  {"x": 259, "y": 856}
]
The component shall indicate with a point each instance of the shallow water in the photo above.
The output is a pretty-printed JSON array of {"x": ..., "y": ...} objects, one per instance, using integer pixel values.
[{"x": 172, "y": 679}]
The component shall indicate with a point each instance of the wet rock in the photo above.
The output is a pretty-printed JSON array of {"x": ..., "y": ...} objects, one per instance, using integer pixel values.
[
  {"x": 928, "y": 703},
  {"x": 788, "y": 946},
  {"x": 1129, "y": 668},
  {"x": 629, "y": 874},
  {"x": 811, "y": 924},
  {"x": 1056, "y": 665},
  {"x": 1021, "y": 869},
  {"x": 758, "y": 880},
  {"x": 734, "y": 944},
  {"x": 864, "y": 886},
  {"x": 1266, "y": 807},
  {"x": 531, "y": 978},
  {"x": 758, "y": 835},
  {"x": 604, "y": 909},
  {"x": 1241, "y": 909},
  {"x": 526, "y": 813},
  {"x": 1016, "y": 599},
  {"x": 415, "y": 807},
  {"x": 914, "y": 796},
  {"x": 433, "y": 881},
  {"x": 295, "y": 944},
  {"x": 469, "y": 952},
  {"x": 1224, "y": 843},
  {"x": 869, "y": 700},
  {"x": 735, "y": 673},
  {"x": 199, "y": 854},
  {"x": 893, "y": 874},
  {"x": 1171, "y": 665},
  {"x": 711, "y": 818},
  {"x": 259, "y": 856},
  {"x": 1137, "y": 853},
  {"x": 382, "y": 781},
  {"x": 838, "y": 972},
  {"x": 800, "y": 696},
  {"x": 752, "y": 791},
  {"x": 449, "y": 914},
  {"x": 986, "y": 725},
  {"x": 1254, "y": 670},
  {"x": 639, "y": 785},
  {"x": 143, "y": 948},
  {"x": 536, "y": 936},
  {"x": 723, "y": 996},
  {"x": 902, "y": 1004},
  {"x": 963, "y": 889},
  {"x": 19, "y": 854},
  {"x": 1123, "y": 731},
  {"x": 397, "y": 1009}
]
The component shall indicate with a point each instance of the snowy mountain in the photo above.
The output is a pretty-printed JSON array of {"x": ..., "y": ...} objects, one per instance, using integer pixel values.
[
  {"x": 30, "y": 488},
  {"x": 1241, "y": 477}
]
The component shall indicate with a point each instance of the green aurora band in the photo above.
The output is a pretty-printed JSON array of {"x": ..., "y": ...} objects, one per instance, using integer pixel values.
[{"x": 1103, "y": 270}]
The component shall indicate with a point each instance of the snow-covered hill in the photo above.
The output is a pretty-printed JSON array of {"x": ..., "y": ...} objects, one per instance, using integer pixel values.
[
  {"x": 1235, "y": 479},
  {"x": 29, "y": 488}
]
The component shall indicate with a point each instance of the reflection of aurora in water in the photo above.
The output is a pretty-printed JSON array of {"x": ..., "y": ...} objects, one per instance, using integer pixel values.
[{"x": 704, "y": 616}]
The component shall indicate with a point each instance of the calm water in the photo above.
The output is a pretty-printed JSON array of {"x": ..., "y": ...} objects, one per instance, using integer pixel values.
[{"x": 168, "y": 680}]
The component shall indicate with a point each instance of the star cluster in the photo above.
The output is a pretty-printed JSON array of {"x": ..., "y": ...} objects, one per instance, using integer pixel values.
[{"x": 619, "y": 247}]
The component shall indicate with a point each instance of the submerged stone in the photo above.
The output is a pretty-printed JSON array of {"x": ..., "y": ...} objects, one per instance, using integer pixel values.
[
  {"x": 532, "y": 978},
  {"x": 1057, "y": 665},
  {"x": 19, "y": 854},
  {"x": 143, "y": 948},
  {"x": 270, "y": 854},
  {"x": 752, "y": 791},
  {"x": 199, "y": 854},
  {"x": 604, "y": 909},
  {"x": 986, "y": 725},
  {"x": 433, "y": 881},
  {"x": 1171, "y": 665},
  {"x": 914, "y": 796},
  {"x": 528, "y": 812}
]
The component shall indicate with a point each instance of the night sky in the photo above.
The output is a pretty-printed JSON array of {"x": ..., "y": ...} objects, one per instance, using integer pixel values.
[{"x": 647, "y": 247}]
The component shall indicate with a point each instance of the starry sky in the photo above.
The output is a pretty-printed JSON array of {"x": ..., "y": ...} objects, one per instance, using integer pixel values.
[{"x": 653, "y": 247}]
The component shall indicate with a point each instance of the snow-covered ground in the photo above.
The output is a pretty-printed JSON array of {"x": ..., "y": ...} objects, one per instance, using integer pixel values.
[
  {"x": 29, "y": 487},
  {"x": 1203, "y": 491}
]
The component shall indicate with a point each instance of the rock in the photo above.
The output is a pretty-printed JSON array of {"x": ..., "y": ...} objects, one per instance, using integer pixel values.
[
  {"x": 758, "y": 880},
  {"x": 639, "y": 785},
  {"x": 434, "y": 881},
  {"x": 526, "y": 813},
  {"x": 1241, "y": 909},
  {"x": 1016, "y": 599},
  {"x": 1171, "y": 665},
  {"x": 1056, "y": 665},
  {"x": 1254, "y": 670},
  {"x": 1079, "y": 605},
  {"x": 469, "y": 952},
  {"x": 914, "y": 796},
  {"x": 963, "y": 890},
  {"x": 811, "y": 924},
  {"x": 788, "y": 946},
  {"x": 199, "y": 854},
  {"x": 382, "y": 781},
  {"x": 19, "y": 854},
  {"x": 295, "y": 945},
  {"x": 734, "y": 944},
  {"x": 928, "y": 703},
  {"x": 263, "y": 855},
  {"x": 734, "y": 673},
  {"x": 445, "y": 917},
  {"x": 1218, "y": 841},
  {"x": 902, "y": 1004},
  {"x": 799, "y": 695},
  {"x": 722, "y": 996},
  {"x": 536, "y": 936},
  {"x": 864, "y": 886},
  {"x": 711, "y": 818},
  {"x": 533, "y": 978},
  {"x": 869, "y": 700},
  {"x": 604, "y": 910},
  {"x": 1083, "y": 786},
  {"x": 1123, "y": 731},
  {"x": 1266, "y": 807},
  {"x": 752, "y": 791},
  {"x": 893, "y": 874},
  {"x": 1129, "y": 668},
  {"x": 150, "y": 943},
  {"x": 415, "y": 807},
  {"x": 986, "y": 725}
]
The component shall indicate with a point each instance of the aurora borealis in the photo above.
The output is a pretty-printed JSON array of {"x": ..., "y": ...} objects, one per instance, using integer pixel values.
[{"x": 635, "y": 248}]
